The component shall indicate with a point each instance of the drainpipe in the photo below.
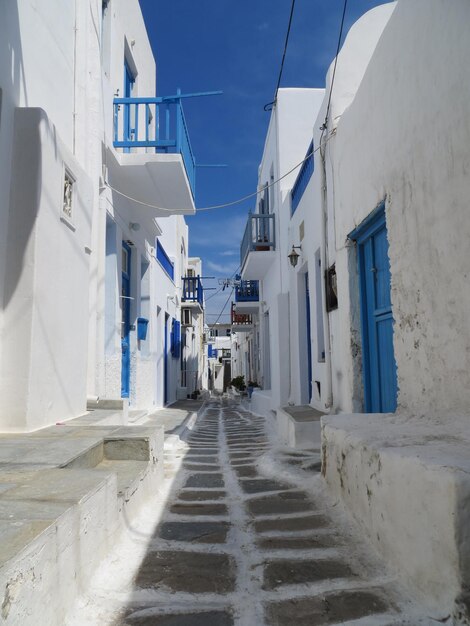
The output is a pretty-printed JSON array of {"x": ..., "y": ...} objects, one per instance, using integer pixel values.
[{"x": 324, "y": 258}]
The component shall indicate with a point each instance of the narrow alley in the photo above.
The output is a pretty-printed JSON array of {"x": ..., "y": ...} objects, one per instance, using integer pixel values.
[{"x": 242, "y": 534}]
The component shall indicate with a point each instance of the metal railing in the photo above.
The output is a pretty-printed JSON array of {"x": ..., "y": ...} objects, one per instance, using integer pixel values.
[
  {"x": 247, "y": 291},
  {"x": 240, "y": 319},
  {"x": 259, "y": 234},
  {"x": 156, "y": 123},
  {"x": 192, "y": 290}
]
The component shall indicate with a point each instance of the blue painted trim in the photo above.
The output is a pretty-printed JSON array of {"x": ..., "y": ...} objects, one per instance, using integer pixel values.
[
  {"x": 309, "y": 339},
  {"x": 376, "y": 357},
  {"x": 167, "y": 265},
  {"x": 125, "y": 340},
  {"x": 165, "y": 361},
  {"x": 175, "y": 339},
  {"x": 369, "y": 224},
  {"x": 301, "y": 182}
]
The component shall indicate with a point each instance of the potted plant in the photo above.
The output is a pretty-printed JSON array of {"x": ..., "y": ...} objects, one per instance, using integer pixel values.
[
  {"x": 238, "y": 383},
  {"x": 262, "y": 243}
]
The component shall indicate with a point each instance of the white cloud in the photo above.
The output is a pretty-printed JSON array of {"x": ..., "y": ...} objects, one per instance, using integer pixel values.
[{"x": 225, "y": 269}]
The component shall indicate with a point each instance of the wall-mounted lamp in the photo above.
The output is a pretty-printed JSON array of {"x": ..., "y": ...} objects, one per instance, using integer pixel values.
[
  {"x": 135, "y": 226},
  {"x": 294, "y": 256}
]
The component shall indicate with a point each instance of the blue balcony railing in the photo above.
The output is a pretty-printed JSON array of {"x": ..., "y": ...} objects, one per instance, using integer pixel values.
[
  {"x": 247, "y": 291},
  {"x": 259, "y": 234},
  {"x": 192, "y": 290},
  {"x": 156, "y": 123},
  {"x": 302, "y": 179}
]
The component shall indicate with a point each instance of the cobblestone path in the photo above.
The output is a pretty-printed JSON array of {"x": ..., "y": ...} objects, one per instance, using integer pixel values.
[{"x": 247, "y": 537}]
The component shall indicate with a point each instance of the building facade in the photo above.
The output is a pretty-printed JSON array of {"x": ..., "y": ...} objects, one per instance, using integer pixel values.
[
  {"x": 363, "y": 293},
  {"x": 93, "y": 193}
]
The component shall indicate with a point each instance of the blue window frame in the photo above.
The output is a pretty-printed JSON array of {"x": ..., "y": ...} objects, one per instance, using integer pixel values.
[
  {"x": 164, "y": 260},
  {"x": 302, "y": 179}
]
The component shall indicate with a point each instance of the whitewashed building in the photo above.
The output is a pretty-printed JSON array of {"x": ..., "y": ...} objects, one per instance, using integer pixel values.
[
  {"x": 375, "y": 311},
  {"x": 91, "y": 273}
]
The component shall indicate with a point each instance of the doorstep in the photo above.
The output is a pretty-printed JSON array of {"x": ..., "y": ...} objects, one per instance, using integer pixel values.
[
  {"x": 300, "y": 426},
  {"x": 177, "y": 419},
  {"x": 407, "y": 482},
  {"x": 66, "y": 493}
]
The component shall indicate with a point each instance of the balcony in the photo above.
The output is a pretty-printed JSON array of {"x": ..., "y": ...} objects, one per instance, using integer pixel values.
[
  {"x": 155, "y": 163},
  {"x": 241, "y": 322},
  {"x": 247, "y": 296},
  {"x": 193, "y": 292},
  {"x": 258, "y": 246}
]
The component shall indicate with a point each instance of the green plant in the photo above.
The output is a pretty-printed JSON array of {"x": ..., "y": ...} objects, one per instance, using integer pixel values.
[{"x": 239, "y": 383}]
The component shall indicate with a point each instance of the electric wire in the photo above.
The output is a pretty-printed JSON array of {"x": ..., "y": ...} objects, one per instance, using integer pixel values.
[
  {"x": 325, "y": 123},
  {"x": 223, "y": 309},
  {"x": 222, "y": 287},
  {"x": 226, "y": 204},
  {"x": 270, "y": 104}
]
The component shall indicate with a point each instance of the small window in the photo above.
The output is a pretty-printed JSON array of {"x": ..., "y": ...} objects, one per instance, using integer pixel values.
[
  {"x": 228, "y": 332},
  {"x": 331, "y": 289},
  {"x": 67, "y": 201},
  {"x": 191, "y": 273}
]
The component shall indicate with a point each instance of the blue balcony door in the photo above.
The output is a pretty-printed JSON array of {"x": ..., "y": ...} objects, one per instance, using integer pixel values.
[
  {"x": 125, "y": 320},
  {"x": 129, "y": 81},
  {"x": 165, "y": 361},
  {"x": 380, "y": 371},
  {"x": 309, "y": 338}
]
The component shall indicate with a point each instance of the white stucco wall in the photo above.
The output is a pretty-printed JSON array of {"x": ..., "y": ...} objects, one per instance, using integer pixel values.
[{"x": 411, "y": 128}]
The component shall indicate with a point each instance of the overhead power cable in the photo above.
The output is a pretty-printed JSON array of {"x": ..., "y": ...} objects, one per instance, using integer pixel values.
[
  {"x": 223, "y": 309},
  {"x": 340, "y": 37},
  {"x": 226, "y": 204},
  {"x": 270, "y": 104}
]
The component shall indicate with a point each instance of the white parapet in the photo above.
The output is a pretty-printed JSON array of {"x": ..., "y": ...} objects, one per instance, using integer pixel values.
[{"x": 407, "y": 483}]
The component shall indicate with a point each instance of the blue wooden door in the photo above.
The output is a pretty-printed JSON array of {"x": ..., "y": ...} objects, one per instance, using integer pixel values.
[
  {"x": 165, "y": 360},
  {"x": 125, "y": 320},
  {"x": 380, "y": 372},
  {"x": 309, "y": 338},
  {"x": 128, "y": 88}
]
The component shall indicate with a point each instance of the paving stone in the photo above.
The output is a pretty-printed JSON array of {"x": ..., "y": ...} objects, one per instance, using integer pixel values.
[
  {"x": 332, "y": 608},
  {"x": 246, "y": 470},
  {"x": 201, "y": 467},
  {"x": 200, "y": 459},
  {"x": 202, "y": 451},
  {"x": 240, "y": 462},
  {"x": 196, "y": 496},
  {"x": 239, "y": 455},
  {"x": 291, "y": 572},
  {"x": 197, "y": 532},
  {"x": 210, "y": 618},
  {"x": 262, "y": 484},
  {"x": 291, "y": 524},
  {"x": 297, "y": 543},
  {"x": 199, "y": 509},
  {"x": 278, "y": 504},
  {"x": 205, "y": 481},
  {"x": 191, "y": 572}
]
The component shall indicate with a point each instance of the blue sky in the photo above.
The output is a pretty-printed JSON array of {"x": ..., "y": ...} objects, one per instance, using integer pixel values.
[{"x": 236, "y": 47}]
